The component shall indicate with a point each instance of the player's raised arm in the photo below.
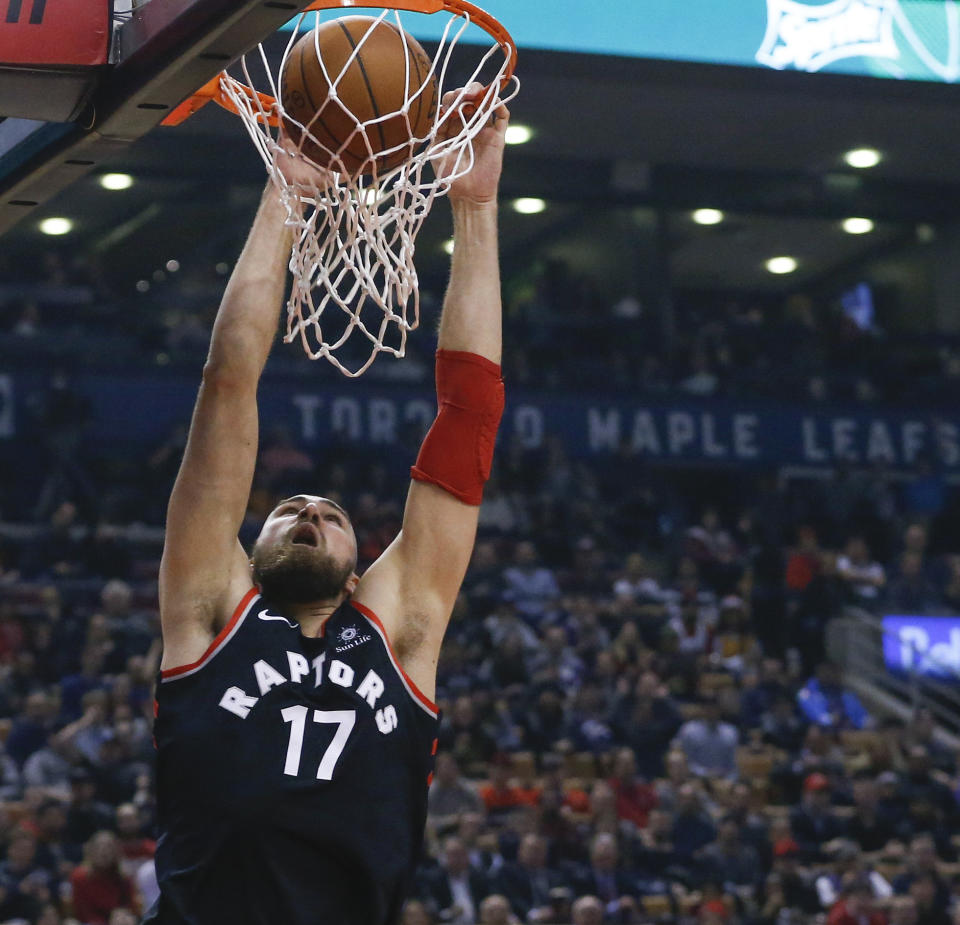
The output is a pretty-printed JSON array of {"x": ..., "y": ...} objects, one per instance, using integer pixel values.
[
  {"x": 204, "y": 570},
  {"x": 414, "y": 584}
]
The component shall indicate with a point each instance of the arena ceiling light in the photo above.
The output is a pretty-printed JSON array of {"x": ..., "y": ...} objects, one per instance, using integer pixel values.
[
  {"x": 708, "y": 216},
  {"x": 858, "y": 225},
  {"x": 529, "y": 206},
  {"x": 518, "y": 134},
  {"x": 448, "y": 246},
  {"x": 863, "y": 158},
  {"x": 116, "y": 181},
  {"x": 56, "y": 226},
  {"x": 781, "y": 265}
]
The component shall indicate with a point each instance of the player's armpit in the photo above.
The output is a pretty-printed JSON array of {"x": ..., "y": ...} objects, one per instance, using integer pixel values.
[{"x": 413, "y": 586}]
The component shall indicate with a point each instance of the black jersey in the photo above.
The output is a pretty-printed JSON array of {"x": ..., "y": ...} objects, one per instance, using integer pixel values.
[{"x": 292, "y": 775}]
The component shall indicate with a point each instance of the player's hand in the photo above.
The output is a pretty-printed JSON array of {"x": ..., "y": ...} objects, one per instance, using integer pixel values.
[
  {"x": 480, "y": 184},
  {"x": 297, "y": 170}
]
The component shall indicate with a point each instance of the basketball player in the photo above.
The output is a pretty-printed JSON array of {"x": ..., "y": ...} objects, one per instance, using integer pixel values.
[{"x": 295, "y": 726}]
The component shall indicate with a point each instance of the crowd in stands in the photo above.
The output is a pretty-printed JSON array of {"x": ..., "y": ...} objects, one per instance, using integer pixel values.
[
  {"x": 574, "y": 329},
  {"x": 640, "y": 720}
]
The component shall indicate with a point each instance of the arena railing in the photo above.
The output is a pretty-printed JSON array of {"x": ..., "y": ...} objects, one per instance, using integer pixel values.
[{"x": 856, "y": 642}]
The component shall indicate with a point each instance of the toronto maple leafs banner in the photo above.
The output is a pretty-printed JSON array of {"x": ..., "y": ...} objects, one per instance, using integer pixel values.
[
  {"x": 913, "y": 39},
  {"x": 130, "y": 414}
]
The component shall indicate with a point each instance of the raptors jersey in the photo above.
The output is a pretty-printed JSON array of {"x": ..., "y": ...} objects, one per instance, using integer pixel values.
[{"x": 292, "y": 775}]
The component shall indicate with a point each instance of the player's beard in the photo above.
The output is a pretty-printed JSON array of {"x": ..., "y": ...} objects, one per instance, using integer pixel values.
[{"x": 298, "y": 573}]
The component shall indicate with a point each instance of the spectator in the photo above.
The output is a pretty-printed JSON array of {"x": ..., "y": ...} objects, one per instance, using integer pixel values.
[
  {"x": 53, "y": 853},
  {"x": 527, "y": 883},
  {"x": 903, "y": 911},
  {"x": 10, "y": 782},
  {"x": 99, "y": 886},
  {"x": 556, "y": 663},
  {"x": 870, "y": 826},
  {"x": 463, "y": 736},
  {"x": 803, "y": 561},
  {"x": 74, "y": 687},
  {"x": 710, "y": 745},
  {"x": 692, "y": 626},
  {"x": 495, "y": 910},
  {"x": 415, "y": 912},
  {"x": 588, "y": 910},
  {"x": 85, "y": 815},
  {"x": 856, "y": 906},
  {"x": 500, "y": 797},
  {"x": 813, "y": 823},
  {"x": 635, "y": 797},
  {"x": 911, "y": 591},
  {"x": 450, "y": 797},
  {"x": 613, "y": 884},
  {"x": 456, "y": 889},
  {"x": 25, "y": 886},
  {"x": 135, "y": 847},
  {"x": 32, "y": 728},
  {"x": 533, "y": 586},
  {"x": 864, "y": 576},
  {"x": 824, "y": 701},
  {"x": 847, "y": 864},
  {"x": 782, "y": 726},
  {"x": 47, "y": 770},
  {"x": 921, "y": 862},
  {"x": 637, "y": 587},
  {"x": 647, "y": 720},
  {"x": 546, "y": 723},
  {"x": 692, "y": 827},
  {"x": 729, "y": 860},
  {"x": 760, "y": 691},
  {"x": 797, "y": 890},
  {"x": 923, "y": 892}
]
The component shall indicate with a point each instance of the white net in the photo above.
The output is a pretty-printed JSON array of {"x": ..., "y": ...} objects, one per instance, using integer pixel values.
[{"x": 355, "y": 290}]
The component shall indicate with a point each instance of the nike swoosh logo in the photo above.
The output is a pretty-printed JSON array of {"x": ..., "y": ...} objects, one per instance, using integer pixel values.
[{"x": 266, "y": 615}]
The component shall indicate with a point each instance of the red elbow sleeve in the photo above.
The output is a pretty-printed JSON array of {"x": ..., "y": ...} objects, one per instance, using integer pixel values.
[{"x": 458, "y": 450}]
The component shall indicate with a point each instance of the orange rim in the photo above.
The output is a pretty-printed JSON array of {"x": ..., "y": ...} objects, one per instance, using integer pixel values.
[{"x": 211, "y": 91}]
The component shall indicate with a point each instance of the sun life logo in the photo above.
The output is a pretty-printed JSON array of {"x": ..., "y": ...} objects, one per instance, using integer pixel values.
[{"x": 349, "y": 638}]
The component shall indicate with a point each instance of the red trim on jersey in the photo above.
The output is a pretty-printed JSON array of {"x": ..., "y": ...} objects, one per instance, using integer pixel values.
[
  {"x": 433, "y": 748},
  {"x": 373, "y": 618},
  {"x": 241, "y": 607}
]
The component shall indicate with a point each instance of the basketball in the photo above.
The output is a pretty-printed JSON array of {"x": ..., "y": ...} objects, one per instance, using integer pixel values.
[{"x": 366, "y": 62}]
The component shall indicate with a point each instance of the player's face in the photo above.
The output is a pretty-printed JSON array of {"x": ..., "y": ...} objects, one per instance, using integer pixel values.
[{"x": 306, "y": 551}]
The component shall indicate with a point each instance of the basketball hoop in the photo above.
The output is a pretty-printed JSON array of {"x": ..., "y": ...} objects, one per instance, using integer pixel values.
[{"x": 354, "y": 236}]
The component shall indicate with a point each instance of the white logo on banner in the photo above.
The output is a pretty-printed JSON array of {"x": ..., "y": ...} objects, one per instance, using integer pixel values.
[
  {"x": 7, "y": 428},
  {"x": 809, "y": 37}
]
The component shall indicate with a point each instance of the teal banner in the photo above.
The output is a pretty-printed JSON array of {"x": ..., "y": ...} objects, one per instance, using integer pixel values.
[{"x": 904, "y": 39}]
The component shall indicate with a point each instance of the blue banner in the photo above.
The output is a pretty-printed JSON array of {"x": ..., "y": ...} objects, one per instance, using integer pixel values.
[
  {"x": 927, "y": 646},
  {"x": 145, "y": 409}
]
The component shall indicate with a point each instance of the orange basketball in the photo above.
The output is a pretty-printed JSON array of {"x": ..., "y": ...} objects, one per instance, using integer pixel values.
[{"x": 374, "y": 85}]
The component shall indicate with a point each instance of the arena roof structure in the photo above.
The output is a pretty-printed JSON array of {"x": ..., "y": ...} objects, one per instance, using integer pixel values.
[{"x": 651, "y": 138}]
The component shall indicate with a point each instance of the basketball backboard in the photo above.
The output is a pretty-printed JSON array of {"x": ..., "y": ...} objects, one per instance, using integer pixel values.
[{"x": 159, "y": 53}]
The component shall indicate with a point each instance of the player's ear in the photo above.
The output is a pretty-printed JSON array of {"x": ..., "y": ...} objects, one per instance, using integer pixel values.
[{"x": 351, "y": 584}]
